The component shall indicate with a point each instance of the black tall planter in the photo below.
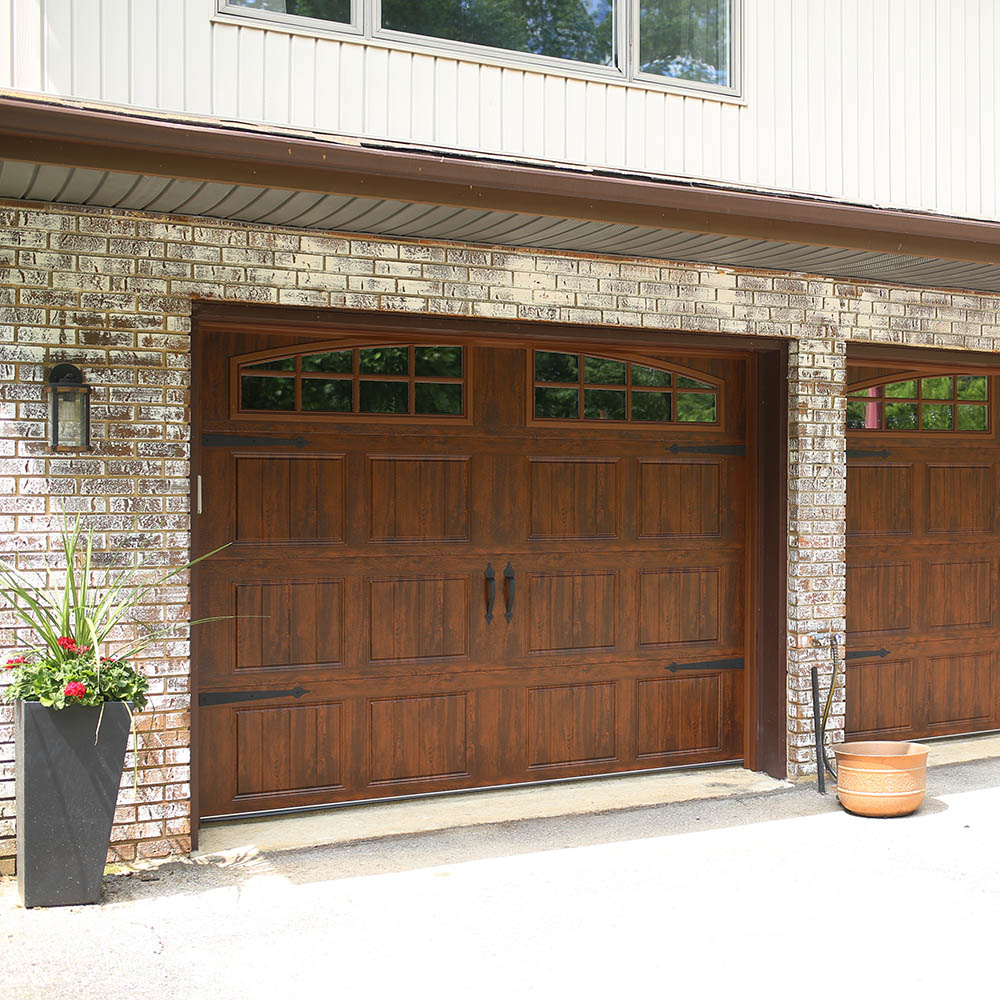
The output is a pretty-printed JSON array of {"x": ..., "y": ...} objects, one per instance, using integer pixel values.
[{"x": 67, "y": 788}]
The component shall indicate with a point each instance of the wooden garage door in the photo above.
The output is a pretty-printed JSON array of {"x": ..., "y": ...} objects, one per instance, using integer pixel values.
[
  {"x": 459, "y": 565},
  {"x": 922, "y": 554}
]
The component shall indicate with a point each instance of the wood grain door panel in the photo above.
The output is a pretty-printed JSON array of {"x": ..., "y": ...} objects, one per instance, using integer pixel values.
[
  {"x": 923, "y": 570},
  {"x": 359, "y": 661}
]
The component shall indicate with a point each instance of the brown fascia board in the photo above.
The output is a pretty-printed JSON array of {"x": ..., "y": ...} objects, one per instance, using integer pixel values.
[{"x": 46, "y": 132}]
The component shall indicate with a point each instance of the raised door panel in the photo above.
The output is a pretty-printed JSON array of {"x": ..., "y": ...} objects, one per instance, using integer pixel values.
[
  {"x": 960, "y": 691},
  {"x": 880, "y": 597},
  {"x": 289, "y": 499},
  {"x": 880, "y": 500},
  {"x": 682, "y": 605},
  {"x": 960, "y": 499},
  {"x": 880, "y": 697},
  {"x": 679, "y": 715},
  {"x": 572, "y": 611},
  {"x": 287, "y": 749},
  {"x": 418, "y": 619},
  {"x": 288, "y": 623},
  {"x": 574, "y": 498},
  {"x": 571, "y": 724},
  {"x": 679, "y": 499},
  {"x": 958, "y": 594},
  {"x": 417, "y": 738},
  {"x": 419, "y": 499}
]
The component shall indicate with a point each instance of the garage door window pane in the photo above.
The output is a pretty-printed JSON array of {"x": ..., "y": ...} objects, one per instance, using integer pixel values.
[
  {"x": 696, "y": 407},
  {"x": 274, "y": 365},
  {"x": 551, "y": 366},
  {"x": 643, "y": 375},
  {"x": 603, "y": 404},
  {"x": 971, "y": 386},
  {"x": 557, "y": 404},
  {"x": 582, "y": 30},
  {"x": 385, "y": 397},
  {"x": 384, "y": 361},
  {"x": 334, "y": 362},
  {"x": 940, "y": 387},
  {"x": 936, "y": 417},
  {"x": 651, "y": 406},
  {"x": 602, "y": 371},
  {"x": 444, "y": 362},
  {"x": 901, "y": 416},
  {"x": 263, "y": 393},
  {"x": 857, "y": 415},
  {"x": 901, "y": 390},
  {"x": 438, "y": 399},
  {"x": 686, "y": 40},
  {"x": 685, "y": 382},
  {"x": 972, "y": 418},
  {"x": 328, "y": 395}
]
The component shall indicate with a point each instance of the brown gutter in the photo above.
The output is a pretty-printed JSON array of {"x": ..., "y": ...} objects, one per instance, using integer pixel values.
[{"x": 43, "y": 132}]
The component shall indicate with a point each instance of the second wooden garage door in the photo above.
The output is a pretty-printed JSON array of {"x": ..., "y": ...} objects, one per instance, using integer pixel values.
[
  {"x": 458, "y": 565},
  {"x": 922, "y": 554}
]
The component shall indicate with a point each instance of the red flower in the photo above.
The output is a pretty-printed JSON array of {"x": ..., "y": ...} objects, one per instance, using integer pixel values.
[
  {"x": 14, "y": 661},
  {"x": 75, "y": 689},
  {"x": 67, "y": 642}
]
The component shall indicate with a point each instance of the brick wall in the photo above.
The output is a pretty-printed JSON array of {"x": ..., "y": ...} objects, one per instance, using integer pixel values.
[{"x": 112, "y": 292}]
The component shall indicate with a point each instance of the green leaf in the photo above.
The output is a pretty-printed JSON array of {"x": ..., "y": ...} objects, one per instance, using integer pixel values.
[{"x": 68, "y": 610}]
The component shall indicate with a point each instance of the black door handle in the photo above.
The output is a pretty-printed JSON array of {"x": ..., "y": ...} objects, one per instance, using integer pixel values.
[
  {"x": 508, "y": 586},
  {"x": 491, "y": 591}
]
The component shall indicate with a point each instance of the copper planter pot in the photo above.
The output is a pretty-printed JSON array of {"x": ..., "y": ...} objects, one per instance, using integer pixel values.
[{"x": 882, "y": 777}]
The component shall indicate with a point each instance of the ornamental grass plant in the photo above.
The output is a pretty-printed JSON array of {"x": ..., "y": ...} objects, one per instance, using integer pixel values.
[{"x": 74, "y": 655}]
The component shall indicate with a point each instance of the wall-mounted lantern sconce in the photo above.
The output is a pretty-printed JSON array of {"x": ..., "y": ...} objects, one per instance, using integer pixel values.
[{"x": 69, "y": 409}]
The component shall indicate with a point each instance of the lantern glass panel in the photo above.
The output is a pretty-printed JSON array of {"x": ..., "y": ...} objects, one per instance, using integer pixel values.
[{"x": 70, "y": 416}]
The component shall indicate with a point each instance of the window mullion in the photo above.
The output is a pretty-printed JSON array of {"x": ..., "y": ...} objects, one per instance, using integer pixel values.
[{"x": 626, "y": 30}]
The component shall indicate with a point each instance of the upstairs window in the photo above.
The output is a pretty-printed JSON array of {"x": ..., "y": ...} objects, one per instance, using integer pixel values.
[
  {"x": 581, "y": 30},
  {"x": 690, "y": 42},
  {"x": 336, "y": 11},
  {"x": 686, "y": 40},
  {"x": 931, "y": 403}
]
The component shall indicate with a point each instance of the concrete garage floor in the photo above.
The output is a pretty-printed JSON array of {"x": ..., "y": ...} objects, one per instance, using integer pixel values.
[{"x": 754, "y": 893}]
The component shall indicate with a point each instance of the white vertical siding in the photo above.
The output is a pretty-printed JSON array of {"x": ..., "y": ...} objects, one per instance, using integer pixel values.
[{"x": 887, "y": 102}]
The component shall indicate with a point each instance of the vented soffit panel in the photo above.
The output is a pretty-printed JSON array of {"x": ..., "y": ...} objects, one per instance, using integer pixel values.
[{"x": 49, "y": 183}]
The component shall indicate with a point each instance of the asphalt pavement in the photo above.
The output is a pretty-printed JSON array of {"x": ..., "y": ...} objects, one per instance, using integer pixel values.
[{"x": 757, "y": 894}]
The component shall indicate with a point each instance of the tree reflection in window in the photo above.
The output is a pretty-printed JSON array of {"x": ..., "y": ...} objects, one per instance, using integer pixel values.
[
  {"x": 391, "y": 379},
  {"x": 587, "y": 387},
  {"x": 930, "y": 403},
  {"x": 582, "y": 30}
]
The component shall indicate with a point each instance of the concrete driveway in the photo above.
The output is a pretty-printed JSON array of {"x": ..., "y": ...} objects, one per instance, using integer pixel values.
[{"x": 767, "y": 894}]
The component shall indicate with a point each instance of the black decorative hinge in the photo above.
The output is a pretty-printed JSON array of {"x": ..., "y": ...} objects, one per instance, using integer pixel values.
[
  {"x": 859, "y": 453},
  {"x": 707, "y": 449},
  {"x": 733, "y": 663},
  {"x": 238, "y": 440},
  {"x": 865, "y": 654},
  {"x": 226, "y": 697}
]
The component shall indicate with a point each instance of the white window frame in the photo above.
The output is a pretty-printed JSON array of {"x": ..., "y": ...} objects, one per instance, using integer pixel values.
[
  {"x": 366, "y": 16},
  {"x": 735, "y": 56},
  {"x": 294, "y": 22}
]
